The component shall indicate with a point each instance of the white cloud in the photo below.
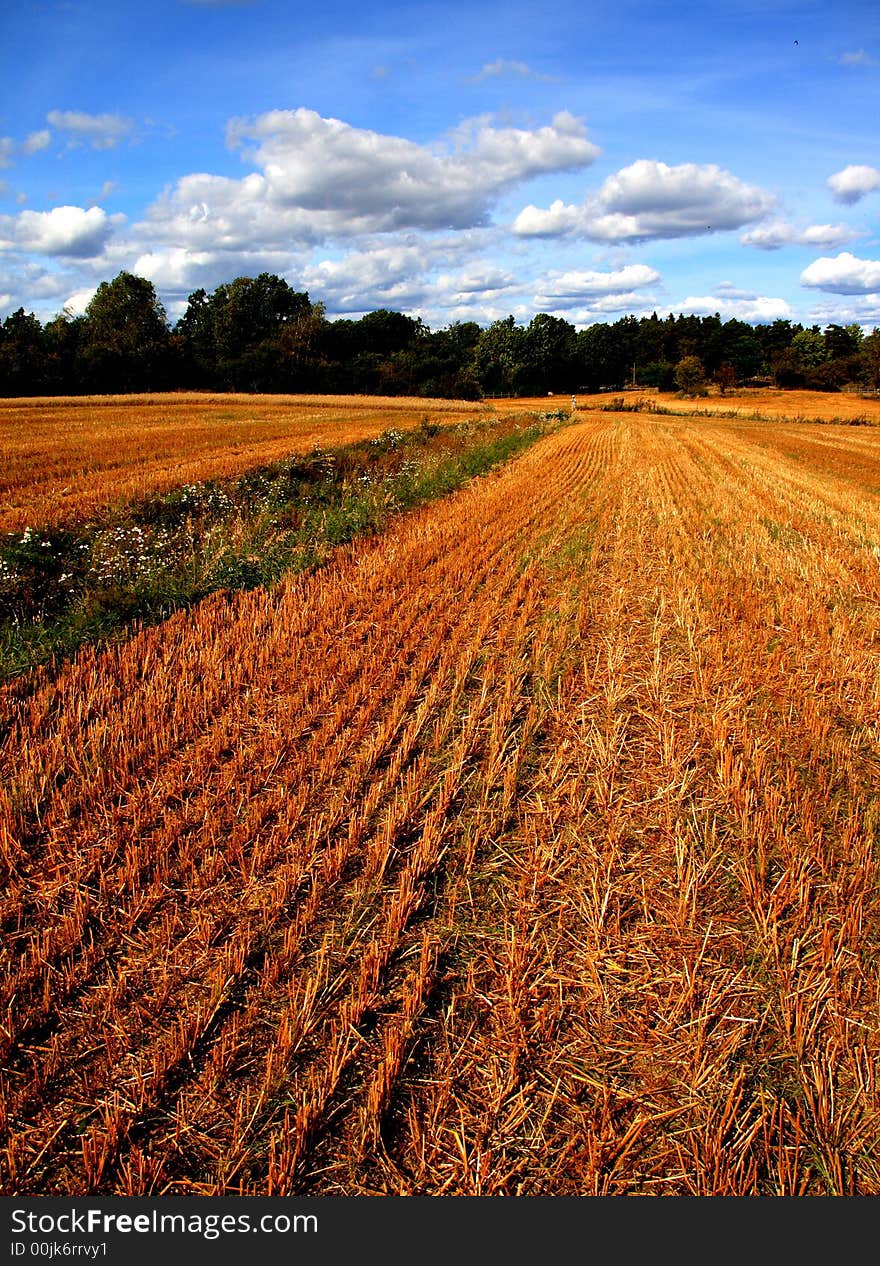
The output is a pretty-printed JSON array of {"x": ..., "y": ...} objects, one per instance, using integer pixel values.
[
  {"x": 401, "y": 274},
  {"x": 101, "y": 131},
  {"x": 852, "y": 183},
  {"x": 576, "y": 285},
  {"x": 321, "y": 180},
  {"x": 77, "y": 303},
  {"x": 32, "y": 144},
  {"x": 773, "y": 236},
  {"x": 62, "y": 231},
  {"x": 754, "y": 309},
  {"x": 558, "y": 220},
  {"x": 650, "y": 200},
  {"x": 861, "y": 310},
  {"x": 601, "y": 292},
  {"x": 375, "y": 266},
  {"x": 484, "y": 280},
  {"x": 36, "y": 141},
  {"x": 31, "y": 281},
  {"x": 339, "y": 179},
  {"x": 846, "y": 274},
  {"x": 859, "y": 58},
  {"x": 502, "y": 68},
  {"x": 177, "y": 270}
]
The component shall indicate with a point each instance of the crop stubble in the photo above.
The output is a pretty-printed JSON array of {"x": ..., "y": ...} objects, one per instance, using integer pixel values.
[
  {"x": 529, "y": 848},
  {"x": 67, "y": 458}
]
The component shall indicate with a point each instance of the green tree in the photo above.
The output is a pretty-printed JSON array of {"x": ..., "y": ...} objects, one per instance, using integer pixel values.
[
  {"x": 601, "y": 362},
  {"x": 498, "y": 358},
  {"x": 842, "y": 341},
  {"x": 64, "y": 337},
  {"x": 22, "y": 355},
  {"x": 248, "y": 317},
  {"x": 199, "y": 350},
  {"x": 746, "y": 356},
  {"x": 808, "y": 347},
  {"x": 302, "y": 347},
  {"x": 548, "y": 352},
  {"x": 126, "y": 343},
  {"x": 870, "y": 358},
  {"x": 689, "y": 375},
  {"x": 234, "y": 338}
]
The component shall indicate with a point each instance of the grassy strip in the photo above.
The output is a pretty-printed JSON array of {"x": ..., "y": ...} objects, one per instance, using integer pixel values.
[
  {"x": 61, "y": 588},
  {"x": 619, "y": 404}
]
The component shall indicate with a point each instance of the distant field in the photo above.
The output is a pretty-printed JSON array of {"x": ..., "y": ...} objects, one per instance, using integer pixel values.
[
  {"x": 65, "y": 458},
  {"x": 788, "y": 404},
  {"x": 529, "y": 847},
  {"x": 766, "y": 402}
]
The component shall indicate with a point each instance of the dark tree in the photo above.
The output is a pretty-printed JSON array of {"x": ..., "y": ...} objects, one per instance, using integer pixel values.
[
  {"x": 690, "y": 375},
  {"x": 869, "y": 354},
  {"x": 549, "y": 360},
  {"x": 600, "y": 358},
  {"x": 126, "y": 342},
  {"x": 498, "y": 358},
  {"x": 64, "y": 338},
  {"x": 233, "y": 338},
  {"x": 22, "y": 355}
]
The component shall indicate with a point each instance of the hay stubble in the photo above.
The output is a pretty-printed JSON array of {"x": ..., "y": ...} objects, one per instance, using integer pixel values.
[{"x": 529, "y": 848}]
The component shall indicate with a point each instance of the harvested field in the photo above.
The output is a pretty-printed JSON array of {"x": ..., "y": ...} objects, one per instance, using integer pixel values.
[
  {"x": 66, "y": 458},
  {"x": 763, "y": 402},
  {"x": 529, "y": 848}
]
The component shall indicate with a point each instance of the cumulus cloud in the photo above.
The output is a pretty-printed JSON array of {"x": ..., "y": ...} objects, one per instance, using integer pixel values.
[
  {"x": 177, "y": 270},
  {"x": 617, "y": 287},
  {"x": 66, "y": 231},
  {"x": 100, "y": 131},
  {"x": 580, "y": 283},
  {"x": 845, "y": 274},
  {"x": 7, "y": 149},
  {"x": 859, "y": 58},
  {"x": 320, "y": 180},
  {"x": 560, "y": 219},
  {"x": 403, "y": 274},
  {"x": 486, "y": 280},
  {"x": 773, "y": 236},
  {"x": 754, "y": 309},
  {"x": 852, "y": 183},
  {"x": 341, "y": 179},
  {"x": 861, "y": 310},
  {"x": 77, "y": 302},
  {"x": 650, "y": 200},
  {"x": 344, "y": 283}
]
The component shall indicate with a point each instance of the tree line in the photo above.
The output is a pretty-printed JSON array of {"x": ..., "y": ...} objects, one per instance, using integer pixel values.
[{"x": 259, "y": 334}]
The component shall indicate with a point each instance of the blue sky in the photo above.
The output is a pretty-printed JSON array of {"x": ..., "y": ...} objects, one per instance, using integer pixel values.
[{"x": 454, "y": 160}]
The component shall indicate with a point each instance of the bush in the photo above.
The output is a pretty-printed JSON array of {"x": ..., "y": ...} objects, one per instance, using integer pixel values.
[{"x": 690, "y": 376}]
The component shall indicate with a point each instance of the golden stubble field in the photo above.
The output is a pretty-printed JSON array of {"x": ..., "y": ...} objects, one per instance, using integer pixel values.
[
  {"x": 529, "y": 848},
  {"x": 750, "y": 403},
  {"x": 65, "y": 458}
]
